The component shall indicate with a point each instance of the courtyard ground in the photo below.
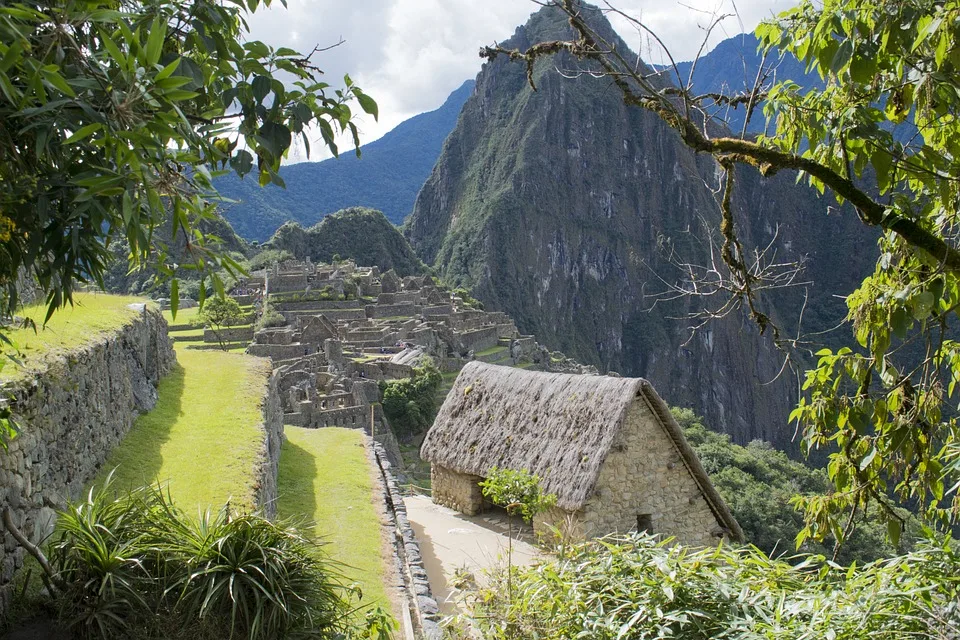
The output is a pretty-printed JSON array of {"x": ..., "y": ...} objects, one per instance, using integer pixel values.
[{"x": 451, "y": 542}]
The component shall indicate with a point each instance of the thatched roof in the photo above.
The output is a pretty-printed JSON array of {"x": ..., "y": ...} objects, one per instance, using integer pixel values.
[{"x": 557, "y": 426}]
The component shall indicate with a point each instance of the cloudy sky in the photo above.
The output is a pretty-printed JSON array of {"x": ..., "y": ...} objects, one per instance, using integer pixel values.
[{"x": 410, "y": 54}]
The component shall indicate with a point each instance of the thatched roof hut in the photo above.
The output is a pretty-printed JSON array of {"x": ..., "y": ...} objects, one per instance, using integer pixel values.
[{"x": 567, "y": 429}]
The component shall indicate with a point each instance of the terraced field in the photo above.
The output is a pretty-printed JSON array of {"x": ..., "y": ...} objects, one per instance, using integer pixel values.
[{"x": 203, "y": 436}]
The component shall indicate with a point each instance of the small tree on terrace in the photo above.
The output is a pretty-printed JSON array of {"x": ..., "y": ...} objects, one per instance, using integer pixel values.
[
  {"x": 219, "y": 314},
  {"x": 519, "y": 493}
]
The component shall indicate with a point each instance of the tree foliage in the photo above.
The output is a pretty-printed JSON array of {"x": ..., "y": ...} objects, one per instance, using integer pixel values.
[
  {"x": 220, "y": 314},
  {"x": 410, "y": 404},
  {"x": 113, "y": 116},
  {"x": 636, "y": 587},
  {"x": 886, "y": 405},
  {"x": 761, "y": 485},
  {"x": 269, "y": 257}
]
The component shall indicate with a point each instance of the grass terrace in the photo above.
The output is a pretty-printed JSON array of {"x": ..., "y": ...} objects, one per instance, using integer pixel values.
[
  {"x": 204, "y": 435},
  {"x": 325, "y": 478},
  {"x": 91, "y": 316}
]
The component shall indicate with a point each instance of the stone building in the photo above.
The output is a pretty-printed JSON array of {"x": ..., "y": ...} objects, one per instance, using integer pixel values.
[{"x": 608, "y": 447}]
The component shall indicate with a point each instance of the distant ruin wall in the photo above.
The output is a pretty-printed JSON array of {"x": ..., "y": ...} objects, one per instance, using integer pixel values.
[
  {"x": 72, "y": 415},
  {"x": 279, "y": 351},
  {"x": 244, "y": 334},
  {"x": 480, "y": 339},
  {"x": 392, "y": 310},
  {"x": 319, "y": 306}
]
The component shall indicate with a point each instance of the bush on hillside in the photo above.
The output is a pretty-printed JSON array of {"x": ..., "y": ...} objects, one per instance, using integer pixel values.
[
  {"x": 759, "y": 482},
  {"x": 134, "y": 566},
  {"x": 270, "y": 317},
  {"x": 269, "y": 257},
  {"x": 411, "y": 403},
  {"x": 637, "y": 587}
]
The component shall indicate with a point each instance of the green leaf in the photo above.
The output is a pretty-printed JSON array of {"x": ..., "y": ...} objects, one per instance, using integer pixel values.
[
  {"x": 174, "y": 297},
  {"x": 893, "y": 531},
  {"x": 54, "y": 78},
  {"x": 242, "y": 162},
  {"x": 158, "y": 31},
  {"x": 863, "y": 68},
  {"x": 113, "y": 49},
  {"x": 275, "y": 137},
  {"x": 260, "y": 87},
  {"x": 83, "y": 132},
  {"x": 899, "y": 321},
  {"x": 368, "y": 104},
  {"x": 167, "y": 71}
]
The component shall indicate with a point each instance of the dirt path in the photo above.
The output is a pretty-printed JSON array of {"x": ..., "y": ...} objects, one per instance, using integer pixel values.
[{"x": 450, "y": 541}]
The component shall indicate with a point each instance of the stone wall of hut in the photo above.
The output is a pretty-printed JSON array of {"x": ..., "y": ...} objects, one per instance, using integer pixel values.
[
  {"x": 458, "y": 491},
  {"x": 644, "y": 479}
]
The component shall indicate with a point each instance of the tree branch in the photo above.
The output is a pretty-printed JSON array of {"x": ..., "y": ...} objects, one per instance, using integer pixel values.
[{"x": 767, "y": 160}]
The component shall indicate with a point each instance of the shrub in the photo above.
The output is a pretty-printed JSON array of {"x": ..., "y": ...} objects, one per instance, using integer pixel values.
[
  {"x": 410, "y": 404},
  {"x": 468, "y": 300},
  {"x": 268, "y": 258},
  {"x": 635, "y": 587},
  {"x": 133, "y": 565},
  {"x": 270, "y": 318}
]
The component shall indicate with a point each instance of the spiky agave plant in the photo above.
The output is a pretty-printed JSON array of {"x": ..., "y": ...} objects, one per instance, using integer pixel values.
[
  {"x": 131, "y": 564},
  {"x": 260, "y": 579},
  {"x": 100, "y": 555}
]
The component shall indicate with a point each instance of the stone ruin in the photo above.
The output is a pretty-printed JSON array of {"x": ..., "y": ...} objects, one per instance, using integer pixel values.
[{"x": 349, "y": 327}]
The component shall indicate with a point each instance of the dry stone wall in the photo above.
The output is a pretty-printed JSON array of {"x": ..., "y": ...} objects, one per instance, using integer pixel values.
[
  {"x": 72, "y": 415},
  {"x": 644, "y": 475},
  {"x": 459, "y": 491},
  {"x": 269, "y": 459}
]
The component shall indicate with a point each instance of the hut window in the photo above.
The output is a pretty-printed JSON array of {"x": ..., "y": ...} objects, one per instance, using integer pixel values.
[{"x": 645, "y": 523}]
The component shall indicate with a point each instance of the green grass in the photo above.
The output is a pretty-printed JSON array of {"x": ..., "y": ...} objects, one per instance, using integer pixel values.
[
  {"x": 490, "y": 351},
  {"x": 203, "y": 437},
  {"x": 184, "y": 316},
  {"x": 325, "y": 478},
  {"x": 92, "y": 316}
]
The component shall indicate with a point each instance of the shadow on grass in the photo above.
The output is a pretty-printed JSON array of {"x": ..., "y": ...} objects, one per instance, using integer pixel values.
[
  {"x": 296, "y": 499},
  {"x": 138, "y": 458}
]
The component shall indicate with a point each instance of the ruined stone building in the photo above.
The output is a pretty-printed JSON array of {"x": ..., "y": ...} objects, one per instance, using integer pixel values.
[{"x": 608, "y": 447}]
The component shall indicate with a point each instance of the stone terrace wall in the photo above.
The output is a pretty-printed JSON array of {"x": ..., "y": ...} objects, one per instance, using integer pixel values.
[
  {"x": 72, "y": 416},
  {"x": 458, "y": 491},
  {"x": 414, "y": 584},
  {"x": 269, "y": 459}
]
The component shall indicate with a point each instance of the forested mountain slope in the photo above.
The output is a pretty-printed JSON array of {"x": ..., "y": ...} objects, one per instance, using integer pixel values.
[
  {"x": 364, "y": 235},
  {"x": 386, "y": 177},
  {"x": 569, "y": 211}
]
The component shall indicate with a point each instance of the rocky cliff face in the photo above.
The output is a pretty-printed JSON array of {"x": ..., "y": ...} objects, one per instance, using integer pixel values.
[{"x": 562, "y": 206}]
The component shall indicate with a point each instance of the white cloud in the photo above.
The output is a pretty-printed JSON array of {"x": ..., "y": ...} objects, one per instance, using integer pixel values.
[{"x": 410, "y": 54}]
